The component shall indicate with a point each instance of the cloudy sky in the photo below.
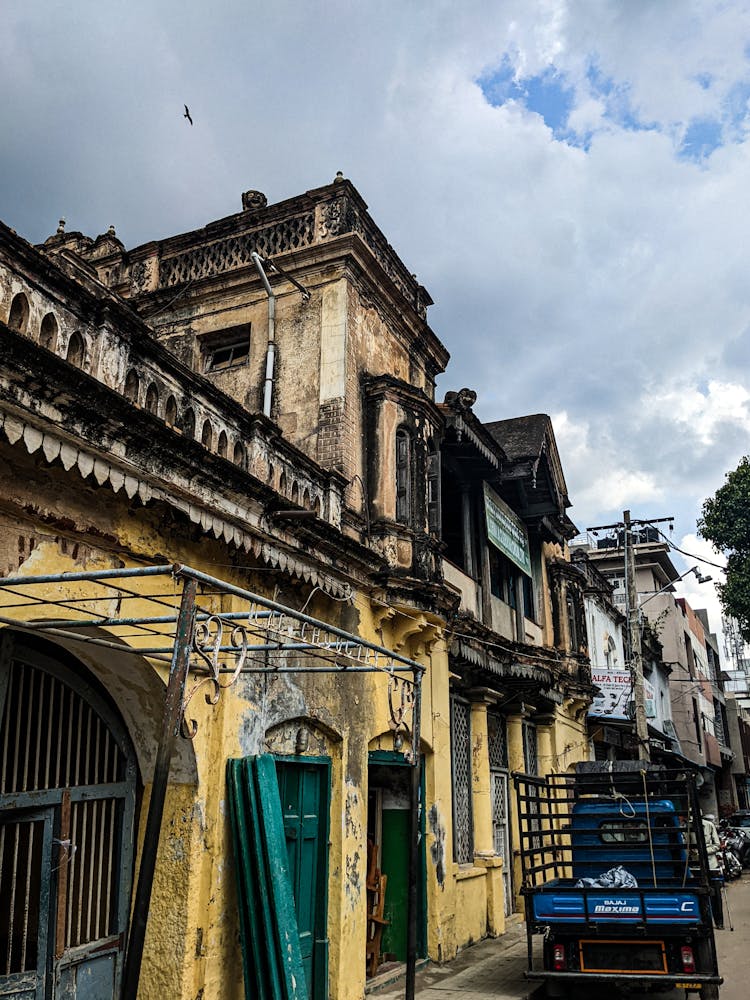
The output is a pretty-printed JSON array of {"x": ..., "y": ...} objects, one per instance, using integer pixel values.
[{"x": 569, "y": 178}]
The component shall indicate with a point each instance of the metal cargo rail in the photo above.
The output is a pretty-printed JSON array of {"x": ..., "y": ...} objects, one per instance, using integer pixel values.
[
  {"x": 675, "y": 855},
  {"x": 574, "y": 829}
]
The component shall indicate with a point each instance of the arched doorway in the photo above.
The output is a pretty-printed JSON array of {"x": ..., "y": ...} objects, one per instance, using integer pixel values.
[{"x": 68, "y": 778}]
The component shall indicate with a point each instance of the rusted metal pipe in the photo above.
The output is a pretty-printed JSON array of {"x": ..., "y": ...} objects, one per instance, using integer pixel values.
[{"x": 169, "y": 729}]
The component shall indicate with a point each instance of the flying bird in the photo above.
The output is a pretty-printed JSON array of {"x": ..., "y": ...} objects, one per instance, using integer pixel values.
[{"x": 187, "y": 114}]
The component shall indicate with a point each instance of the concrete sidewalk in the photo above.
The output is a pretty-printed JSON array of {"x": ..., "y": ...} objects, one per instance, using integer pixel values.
[{"x": 491, "y": 968}]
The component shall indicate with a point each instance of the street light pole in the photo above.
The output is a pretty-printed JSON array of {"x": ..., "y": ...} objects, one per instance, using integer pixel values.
[
  {"x": 634, "y": 626},
  {"x": 636, "y": 653}
]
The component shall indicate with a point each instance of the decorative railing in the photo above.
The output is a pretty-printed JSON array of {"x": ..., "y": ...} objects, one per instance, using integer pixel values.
[
  {"x": 335, "y": 216},
  {"x": 235, "y": 251}
]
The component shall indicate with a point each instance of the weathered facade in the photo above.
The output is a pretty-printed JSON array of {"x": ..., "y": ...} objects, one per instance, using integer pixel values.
[
  {"x": 520, "y": 678},
  {"x": 271, "y": 424},
  {"x": 686, "y": 717}
]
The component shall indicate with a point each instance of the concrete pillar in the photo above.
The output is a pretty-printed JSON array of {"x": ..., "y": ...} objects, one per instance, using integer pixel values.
[
  {"x": 480, "y": 777},
  {"x": 514, "y": 727},
  {"x": 441, "y": 883},
  {"x": 484, "y": 844},
  {"x": 545, "y": 742}
]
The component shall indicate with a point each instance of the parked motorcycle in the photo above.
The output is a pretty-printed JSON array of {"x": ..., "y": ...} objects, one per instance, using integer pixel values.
[
  {"x": 729, "y": 861},
  {"x": 738, "y": 842}
]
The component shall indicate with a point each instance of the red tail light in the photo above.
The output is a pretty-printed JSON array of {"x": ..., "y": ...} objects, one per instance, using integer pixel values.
[
  {"x": 688, "y": 959},
  {"x": 558, "y": 958}
]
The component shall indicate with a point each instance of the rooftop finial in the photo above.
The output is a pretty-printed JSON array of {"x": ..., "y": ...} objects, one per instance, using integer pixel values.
[
  {"x": 111, "y": 231},
  {"x": 338, "y": 178},
  {"x": 61, "y": 227}
]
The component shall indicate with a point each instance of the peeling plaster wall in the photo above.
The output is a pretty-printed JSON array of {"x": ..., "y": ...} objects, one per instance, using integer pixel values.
[{"x": 63, "y": 508}]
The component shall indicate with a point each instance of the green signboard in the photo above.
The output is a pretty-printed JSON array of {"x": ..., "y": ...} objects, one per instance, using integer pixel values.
[{"x": 506, "y": 531}]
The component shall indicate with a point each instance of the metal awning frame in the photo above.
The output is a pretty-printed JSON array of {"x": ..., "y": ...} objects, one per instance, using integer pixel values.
[
  {"x": 283, "y": 629},
  {"x": 211, "y": 644}
]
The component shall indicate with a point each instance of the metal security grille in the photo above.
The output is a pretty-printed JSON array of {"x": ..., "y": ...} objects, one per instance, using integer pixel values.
[
  {"x": 61, "y": 770},
  {"x": 463, "y": 847},
  {"x": 51, "y": 738},
  {"x": 499, "y": 788},
  {"x": 92, "y": 871},
  {"x": 21, "y": 849},
  {"x": 530, "y": 755},
  {"x": 497, "y": 741},
  {"x": 531, "y": 763},
  {"x": 501, "y": 832}
]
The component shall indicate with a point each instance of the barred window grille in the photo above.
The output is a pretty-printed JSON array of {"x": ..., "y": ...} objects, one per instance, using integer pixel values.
[
  {"x": 499, "y": 790},
  {"x": 530, "y": 755},
  {"x": 531, "y": 763},
  {"x": 463, "y": 847},
  {"x": 497, "y": 741}
]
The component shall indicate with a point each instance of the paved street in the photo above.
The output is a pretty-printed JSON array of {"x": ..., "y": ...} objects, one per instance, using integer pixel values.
[{"x": 495, "y": 968}]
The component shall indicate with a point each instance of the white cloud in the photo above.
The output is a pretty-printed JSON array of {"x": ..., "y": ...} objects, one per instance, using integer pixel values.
[
  {"x": 604, "y": 482},
  {"x": 702, "y": 413},
  {"x": 607, "y": 285}
]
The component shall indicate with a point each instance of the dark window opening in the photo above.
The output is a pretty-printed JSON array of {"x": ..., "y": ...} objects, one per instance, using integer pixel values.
[
  {"x": 570, "y": 606},
  {"x": 433, "y": 490},
  {"x": 697, "y": 725},
  {"x": 690, "y": 654},
  {"x": 227, "y": 349},
  {"x": 502, "y": 577},
  {"x": 403, "y": 476},
  {"x": 506, "y": 580},
  {"x": 528, "y": 597},
  {"x": 452, "y": 531}
]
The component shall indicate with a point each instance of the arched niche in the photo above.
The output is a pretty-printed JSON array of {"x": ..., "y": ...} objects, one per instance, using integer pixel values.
[
  {"x": 18, "y": 318},
  {"x": 76, "y": 352},
  {"x": 48, "y": 332},
  {"x": 302, "y": 736}
]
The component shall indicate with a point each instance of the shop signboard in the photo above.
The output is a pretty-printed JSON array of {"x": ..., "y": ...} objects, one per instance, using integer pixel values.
[
  {"x": 506, "y": 531},
  {"x": 616, "y": 694}
]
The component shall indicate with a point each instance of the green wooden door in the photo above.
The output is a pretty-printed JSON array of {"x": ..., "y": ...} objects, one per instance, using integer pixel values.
[
  {"x": 303, "y": 789},
  {"x": 395, "y": 862}
]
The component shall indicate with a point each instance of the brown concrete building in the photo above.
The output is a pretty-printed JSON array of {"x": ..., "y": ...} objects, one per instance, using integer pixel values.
[{"x": 246, "y": 414}]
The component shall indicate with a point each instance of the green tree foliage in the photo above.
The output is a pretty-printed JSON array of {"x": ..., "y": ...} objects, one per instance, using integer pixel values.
[{"x": 726, "y": 524}]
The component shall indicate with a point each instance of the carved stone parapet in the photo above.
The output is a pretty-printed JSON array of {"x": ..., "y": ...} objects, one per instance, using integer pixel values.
[{"x": 209, "y": 259}]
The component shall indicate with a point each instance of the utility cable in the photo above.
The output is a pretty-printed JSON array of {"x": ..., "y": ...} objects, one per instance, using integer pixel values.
[{"x": 690, "y": 555}]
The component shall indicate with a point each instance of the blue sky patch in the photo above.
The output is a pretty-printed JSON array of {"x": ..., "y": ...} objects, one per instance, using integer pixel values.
[
  {"x": 546, "y": 94},
  {"x": 551, "y": 96},
  {"x": 703, "y": 136},
  {"x": 601, "y": 85},
  {"x": 737, "y": 106}
]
